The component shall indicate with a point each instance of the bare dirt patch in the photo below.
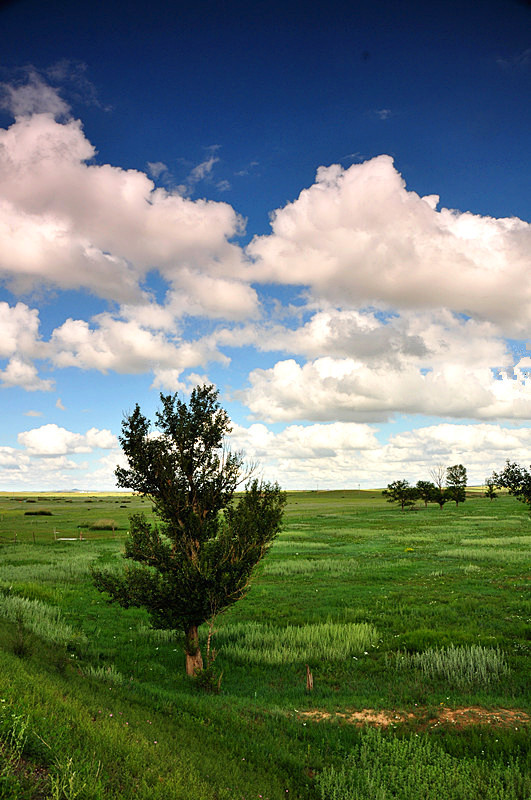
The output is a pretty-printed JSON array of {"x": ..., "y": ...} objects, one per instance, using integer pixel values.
[{"x": 460, "y": 717}]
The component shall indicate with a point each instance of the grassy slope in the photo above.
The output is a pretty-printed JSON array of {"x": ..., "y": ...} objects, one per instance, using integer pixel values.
[{"x": 112, "y": 715}]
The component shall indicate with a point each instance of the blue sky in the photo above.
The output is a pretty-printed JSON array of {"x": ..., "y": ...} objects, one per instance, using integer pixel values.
[{"x": 323, "y": 209}]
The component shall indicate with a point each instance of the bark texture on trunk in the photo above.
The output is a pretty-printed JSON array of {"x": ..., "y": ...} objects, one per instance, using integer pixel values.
[{"x": 194, "y": 659}]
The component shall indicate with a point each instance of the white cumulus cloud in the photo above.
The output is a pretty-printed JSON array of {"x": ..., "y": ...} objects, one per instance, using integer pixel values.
[
  {"x": 359, "y": 237},
  {"x": 345, "y": 455},
  {"x": 52, "y": 440},
  {"x": 68, "y": 222},
  {"x": 348, "y": 389}
]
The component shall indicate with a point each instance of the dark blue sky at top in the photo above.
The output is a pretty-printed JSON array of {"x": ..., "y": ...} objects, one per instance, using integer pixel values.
[{"x": 275, "y": 90}]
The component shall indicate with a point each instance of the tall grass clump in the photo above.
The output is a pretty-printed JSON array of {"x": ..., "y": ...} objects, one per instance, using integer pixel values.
[
  {"x": 160, "y": 635},
  {"x": 43, "y": 620},
  {"x": 458, "y": 665},
  {"x": 502, "y": 555},
  {"x": 108, "y": 674},
  {"x": 103, "y": 525},
  {"x": 258, "y": 643},
  {"x": 306, "y": 566},
  {"x": 381, "y": 767}
]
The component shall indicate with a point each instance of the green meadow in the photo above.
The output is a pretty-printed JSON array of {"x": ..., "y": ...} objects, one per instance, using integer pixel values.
[{"x": 414, "y": 625}]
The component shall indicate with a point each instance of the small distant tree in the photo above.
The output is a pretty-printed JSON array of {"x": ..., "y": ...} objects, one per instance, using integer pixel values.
[
  {"x": 438, "y": 475},
  {"x": 200, "y": 558},
  {"x": 439, "y": 494},
  {"x": 456, "y": 481},
  {"x": 490, "y": 489},
  {"x": 425, "y": 490},
  {"x": 516, "y": 479},
  {"x": 401, "y": 492}
]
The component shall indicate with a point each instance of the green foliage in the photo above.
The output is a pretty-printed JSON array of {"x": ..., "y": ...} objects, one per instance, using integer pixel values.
[
  {"x": 439, "y": 496},
  {"x": 200, "y": 559},
  {"x": 516, "y": 479},
  {"x": 41, "y": 513},
  {"x": 425, "y": 490},
  {"x": 456, "y": 480},
  {"x": 401, "y": 492},
  {"x": 490, "y": 488}
]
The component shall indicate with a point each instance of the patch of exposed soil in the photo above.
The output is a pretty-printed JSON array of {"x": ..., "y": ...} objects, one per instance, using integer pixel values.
[{"x": 460, "y": 717}]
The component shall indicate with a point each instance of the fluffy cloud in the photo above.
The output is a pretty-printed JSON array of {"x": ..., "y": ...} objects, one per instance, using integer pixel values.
[
  {"x": 18, "y": 470},
  {"x": 19, "y": 372},
  {"x": 426, "y": 338},
  {"x": 347, "y": 389},
  {"x": 364, "y": 367},
  {"x": 358, "y": 237},
  {"x": 343, "y": 455},
  {"x": 334, "y": 452},
  {"x": 482, "y": 448},
  {"x": 19, "y": 330},
  {"x": 68, "y": 222},
  {"x": 125, "y": 347},
  {"x": 144, "y": 339},
  {"x": 51, "y": 440},
  {"x": 304, "y": 442}
]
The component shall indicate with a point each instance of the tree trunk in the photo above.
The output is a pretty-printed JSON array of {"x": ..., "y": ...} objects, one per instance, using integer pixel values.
[{"x": 194, "y": 659}]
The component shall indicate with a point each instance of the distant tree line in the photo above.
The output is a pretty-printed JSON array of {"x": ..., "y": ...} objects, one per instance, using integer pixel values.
[{"x": 448, "y": 484}]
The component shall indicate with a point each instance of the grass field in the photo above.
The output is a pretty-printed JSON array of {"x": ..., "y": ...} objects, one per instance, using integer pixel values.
[{"x": 415, "y": 626}]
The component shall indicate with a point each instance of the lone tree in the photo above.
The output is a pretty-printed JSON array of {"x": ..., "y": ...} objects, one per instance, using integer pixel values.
[
  {"x": 401, "y": 492},
  {"x": 456, "y": 483},
  {"x": 200, "y": 558},
  {"x": 516, "y": 479}
]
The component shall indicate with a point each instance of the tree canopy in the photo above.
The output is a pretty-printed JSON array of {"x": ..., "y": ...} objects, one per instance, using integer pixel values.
[
  {"x": 200, "y": 558},
  {"x": 426, "y": 491},
  {"x": 401, "y": 492},
  {"x": 516, "y": 479},
  {"x": 456, "y": 481}
]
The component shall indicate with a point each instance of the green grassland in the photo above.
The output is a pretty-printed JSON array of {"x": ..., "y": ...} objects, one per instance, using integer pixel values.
[{"x": 408, "y": 617}]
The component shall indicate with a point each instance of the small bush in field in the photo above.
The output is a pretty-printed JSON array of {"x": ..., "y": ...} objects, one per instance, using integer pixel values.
[
  {"x": 41, "y": 513},
  {"x": 104, "y": 525}
]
